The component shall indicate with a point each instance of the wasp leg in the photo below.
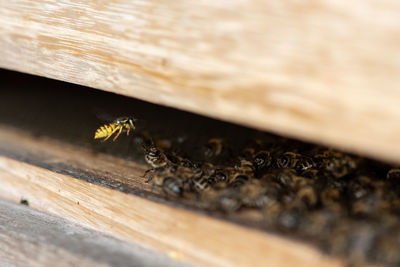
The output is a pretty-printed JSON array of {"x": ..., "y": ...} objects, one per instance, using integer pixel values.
[
  {"x": 120, "y": 131},
  {"x": 113, "y": 131},
  {"x": 105, "y": 139},
  {"x": 133, "y": 126}
]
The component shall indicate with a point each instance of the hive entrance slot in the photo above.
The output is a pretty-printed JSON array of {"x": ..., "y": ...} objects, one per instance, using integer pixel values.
[{"x": 344, "y": 203}]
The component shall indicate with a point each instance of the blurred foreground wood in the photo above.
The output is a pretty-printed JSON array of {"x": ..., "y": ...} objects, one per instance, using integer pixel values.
[
  {"x": 325, "y": 71},
  {"x": 32, "y": 238},
  {"x": 30, "y": 168}
]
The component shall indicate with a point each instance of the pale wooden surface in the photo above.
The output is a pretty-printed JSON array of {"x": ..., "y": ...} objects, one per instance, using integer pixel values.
[
  {"x": 181, "y": 234},
  {"x": 326, "y": 71},
  {"x": 32, "y": 238}
]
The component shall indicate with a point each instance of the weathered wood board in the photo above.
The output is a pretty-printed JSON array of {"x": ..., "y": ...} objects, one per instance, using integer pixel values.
[
  {"x": 326, "y": 71},
  {"x": 181, "y": 234},
  {"x": 32, "y": 238}
]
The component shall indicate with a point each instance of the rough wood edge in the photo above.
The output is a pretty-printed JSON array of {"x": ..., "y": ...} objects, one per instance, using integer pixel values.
[{"x": 316, "y": 70}]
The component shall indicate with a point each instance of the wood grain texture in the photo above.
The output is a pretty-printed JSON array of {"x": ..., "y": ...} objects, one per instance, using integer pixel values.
[
  {"x": 326, "y": 71},
  {"x": 181, "y": 234},
  {"x": 32, "y": 238}
]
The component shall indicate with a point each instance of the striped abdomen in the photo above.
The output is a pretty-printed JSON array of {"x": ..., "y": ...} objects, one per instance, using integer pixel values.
[{"x": 105, "y": 131}]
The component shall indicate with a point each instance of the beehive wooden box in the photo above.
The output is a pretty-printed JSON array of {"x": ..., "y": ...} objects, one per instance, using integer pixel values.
[{"x": 326, "y": 72}]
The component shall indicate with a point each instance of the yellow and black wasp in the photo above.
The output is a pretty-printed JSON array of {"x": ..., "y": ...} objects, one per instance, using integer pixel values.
[{"x": 119, "y": 125}]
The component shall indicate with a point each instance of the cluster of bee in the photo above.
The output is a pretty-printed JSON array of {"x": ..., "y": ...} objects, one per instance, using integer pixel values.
[{"x": 347, "y": 204}]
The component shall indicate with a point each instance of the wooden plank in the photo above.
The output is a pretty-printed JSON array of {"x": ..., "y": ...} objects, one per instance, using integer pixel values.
[
  {"x": 32, "y": 238},
  {"x": 181, "y": 234},
  {"x": 325, "y": 71}
]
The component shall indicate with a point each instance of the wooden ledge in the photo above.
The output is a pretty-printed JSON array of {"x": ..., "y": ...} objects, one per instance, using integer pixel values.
[{"x": 183, "y": 235}]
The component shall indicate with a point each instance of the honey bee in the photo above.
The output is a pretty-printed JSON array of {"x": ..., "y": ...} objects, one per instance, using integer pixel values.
[
  {"x": 304, "y": 164},
  {"x": 287, "y": 160},
  {"x": 170, "y": 185},
  {"x": 297, "y": 162},
  {"x": 166, "y": 178},
  {"x": 213, "y": 147},
  {"x": 200, "y": 184},
  {"x": 393, "y": 174},
  {"x": 219, "y": 176},
  {"x": 245, "y": 167},
  {"x": 229, "y": 200},
  {"x": 289, "y": 218},
  {"x": 284, "y": 177},
  {"x": 308, "y": 195},
  {"x": 123, "y": 124},
  {"x": 225, "y": 199},
  {"x": 241, "y": 173},
  {"x": 239, "y": 179},
  {"x": 203, "y": 181},
  {"x": 189, "y": 176},
  {"x": 261, "y": 160},
  {"x": 211, "y": 177},
  {"x": 253, "y": 194},
  {"x": 155, "y": 157},
  {"x": 337, "y": 163},
  {"x": 330, "y": 197}
]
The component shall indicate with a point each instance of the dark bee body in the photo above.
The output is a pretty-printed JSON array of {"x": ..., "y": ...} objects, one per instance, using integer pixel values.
[
  {"x": 330, "y": 197},
  {"x": 123, "y": 124},
  {"x": 242, "y": 173},
  {"x": 300, "y": 163},
  {"x": 169, "y": 165},
  {"x": 155, "y": 157},
  {"x": 224, "y": 199},
  {"x": 245, "y": 167},
  {"x": 393, "y": 174},
  {"x": 337, "y": 163},
  {"x": 201, "y": 183},
  {"x": 304, "y": 163},
  {"x": 170, "y": 185},
  {"x": 307, "y": 195},
  {"x": 253, "y": 194},
  {"x": 239, "y": 180},
  {"x": 213, "y": 148},
  {"x": 287, "y": 160},
  {"x": 219, "y": 176},
  {"x": 261, "y": 160}
]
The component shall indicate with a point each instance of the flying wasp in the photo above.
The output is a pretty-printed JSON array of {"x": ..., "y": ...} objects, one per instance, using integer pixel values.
[{"x": 119, "y": 125}]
